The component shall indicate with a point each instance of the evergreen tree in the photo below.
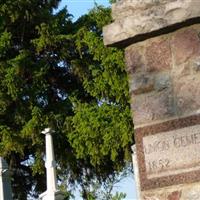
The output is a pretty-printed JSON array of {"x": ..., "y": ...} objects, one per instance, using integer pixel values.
[{"x": 56, "y": 73}]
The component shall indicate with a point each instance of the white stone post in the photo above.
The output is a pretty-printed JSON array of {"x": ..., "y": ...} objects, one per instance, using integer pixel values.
[
  {"x": 50, "y": 162},
  {"x": 136, "y": 171},
  {"x": 52, "y": 192},
  {"x": 5, "y": 185}
]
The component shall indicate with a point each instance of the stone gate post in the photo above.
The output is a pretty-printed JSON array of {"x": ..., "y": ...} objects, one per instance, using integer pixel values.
[{"x": 162, "y": 51}]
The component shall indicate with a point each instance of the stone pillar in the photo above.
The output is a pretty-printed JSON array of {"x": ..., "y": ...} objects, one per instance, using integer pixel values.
[
  {"x": 52, "y": 192},
  {"x": 162, "y": 51},
  {"x": 50, "y": 163},
  {"x": 136, "y": 171},
  {"x": 5, "y": 185}
]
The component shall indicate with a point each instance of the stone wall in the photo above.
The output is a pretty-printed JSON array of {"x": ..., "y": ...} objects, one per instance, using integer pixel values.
[{"x": 164, "y": 76}]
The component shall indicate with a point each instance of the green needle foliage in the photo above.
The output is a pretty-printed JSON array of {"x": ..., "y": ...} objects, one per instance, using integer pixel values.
[{"x": 57, "y": 73}]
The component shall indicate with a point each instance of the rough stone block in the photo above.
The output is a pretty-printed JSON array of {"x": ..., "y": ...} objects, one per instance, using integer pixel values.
[
  {"x": 162, "y": 81},
  {"x": 149, "y": 107},
  {"x": 186, "y": 45},
  {"x": 125, "y": 8},
  {"x": 174, "y": 195},
  {"x": 158, "y": 55},
  {"x": 134, "y": 59},
  {"x": 196, "y": 65},
  {"x": 187, "y": 94},
  {"x": 181, "y": 70},
  {"x": 135, "y": 20},
  {"x": 141, "y": 83}
]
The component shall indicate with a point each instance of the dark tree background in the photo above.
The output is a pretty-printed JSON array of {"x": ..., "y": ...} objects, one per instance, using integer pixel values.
[{"x": 57, "y": 73}]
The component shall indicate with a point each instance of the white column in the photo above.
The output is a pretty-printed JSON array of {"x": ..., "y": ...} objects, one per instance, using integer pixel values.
[
  {"x": 52, "y": 192},
  {"x": 50, "y": 163},
  {"x": 5, "y": 185},
  {"x": 136, "y": 171}
]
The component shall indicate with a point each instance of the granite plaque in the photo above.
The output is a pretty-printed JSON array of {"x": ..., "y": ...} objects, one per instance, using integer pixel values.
[
  {"x": 172, "y": 152},
  {"x": 169, "y": 153}
]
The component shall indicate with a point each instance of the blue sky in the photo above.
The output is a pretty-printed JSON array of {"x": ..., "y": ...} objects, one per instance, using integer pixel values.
[{"x": 78, "y": 8}]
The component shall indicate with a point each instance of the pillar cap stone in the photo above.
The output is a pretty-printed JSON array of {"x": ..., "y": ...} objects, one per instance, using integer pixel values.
[
  {"x": 47, "y": 131},
  {"x": 137, "y": 20}
]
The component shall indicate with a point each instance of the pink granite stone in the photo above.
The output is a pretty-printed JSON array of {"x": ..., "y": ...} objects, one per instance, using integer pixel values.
[
  {"x": 158, "y": 55},
  {"x": 176, "y": 195},
  {"x": 186, "y": 44},
  {"x": 134, "y": 59}
]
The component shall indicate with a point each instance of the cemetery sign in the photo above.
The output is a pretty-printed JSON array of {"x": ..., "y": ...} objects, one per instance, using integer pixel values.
[{"x": 169, "y": 157}]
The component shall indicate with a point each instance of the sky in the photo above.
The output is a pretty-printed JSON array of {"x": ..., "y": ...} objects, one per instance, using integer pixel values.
[{"x": 78, "y": 8}]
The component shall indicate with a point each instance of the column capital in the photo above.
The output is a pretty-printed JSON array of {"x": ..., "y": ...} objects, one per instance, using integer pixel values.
[{"x": 47, "y": 131}]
